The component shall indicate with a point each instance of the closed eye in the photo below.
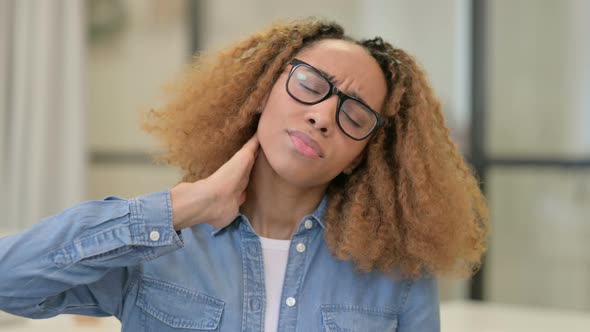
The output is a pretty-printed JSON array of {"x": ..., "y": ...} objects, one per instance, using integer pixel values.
[
  {"x": 351, "y": 120},
  {"x": 308, "y": 88}
]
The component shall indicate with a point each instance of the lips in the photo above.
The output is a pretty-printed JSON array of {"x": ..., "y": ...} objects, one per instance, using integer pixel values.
[{"x": 305, "y": 144}]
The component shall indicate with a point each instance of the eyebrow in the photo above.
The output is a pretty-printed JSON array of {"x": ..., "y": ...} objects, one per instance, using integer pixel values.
[{"x": 333, "y": 80}]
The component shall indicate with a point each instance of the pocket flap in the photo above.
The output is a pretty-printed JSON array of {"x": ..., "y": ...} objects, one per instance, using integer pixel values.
[
  {"x": 179, "y": 307},
  {"x": 338, "y": 317}
]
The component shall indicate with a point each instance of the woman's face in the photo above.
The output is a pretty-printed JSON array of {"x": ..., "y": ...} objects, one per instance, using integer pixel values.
[{"x": 286, "y": 124}]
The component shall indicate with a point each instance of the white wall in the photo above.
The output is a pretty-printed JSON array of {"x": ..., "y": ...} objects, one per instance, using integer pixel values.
[{"x": 126, "y": 74}]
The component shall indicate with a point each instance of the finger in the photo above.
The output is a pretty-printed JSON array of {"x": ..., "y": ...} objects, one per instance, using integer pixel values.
[
  {"x": 255, "y": 137},
  {"x": 243, "y": 159},
  {"x": 249, "y": 167},
  {"x": 252, "y": 144}
]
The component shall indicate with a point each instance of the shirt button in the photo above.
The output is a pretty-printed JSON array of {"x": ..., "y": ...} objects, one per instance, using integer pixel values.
[
  {"x": 308, "y": 224},
  {"x": 255, "y": 304},
  {"x": 154, "y": 236},
  {"x": 291, "y": 301},
  {"x": 300, "y": 247}
]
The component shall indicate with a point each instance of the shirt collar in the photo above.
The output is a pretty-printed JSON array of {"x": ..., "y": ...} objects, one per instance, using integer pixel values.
[
  {"x": 320, "y": 211},
  {"x": 318, "y": 215}
]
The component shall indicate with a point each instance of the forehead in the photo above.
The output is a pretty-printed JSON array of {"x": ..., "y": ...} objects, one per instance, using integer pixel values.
[{"x": 354, "y": 69}]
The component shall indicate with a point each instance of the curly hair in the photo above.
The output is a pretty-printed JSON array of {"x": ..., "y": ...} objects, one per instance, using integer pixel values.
[{"x": 413, "y": 205}]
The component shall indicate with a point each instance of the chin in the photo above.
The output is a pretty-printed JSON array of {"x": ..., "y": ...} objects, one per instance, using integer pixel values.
[{"x": 292, "y": 170}]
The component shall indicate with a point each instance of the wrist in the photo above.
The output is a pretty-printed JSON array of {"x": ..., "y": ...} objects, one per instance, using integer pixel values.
[{"x": 189, "y": 205}]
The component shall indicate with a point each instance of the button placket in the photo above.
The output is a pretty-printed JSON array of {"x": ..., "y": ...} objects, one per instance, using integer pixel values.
[
  {"x": 295, "y": 275},
  {"x": 253, "y": 296}
]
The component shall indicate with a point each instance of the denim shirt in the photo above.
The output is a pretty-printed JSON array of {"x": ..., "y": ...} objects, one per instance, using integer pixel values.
[{"x": 123, "y": 258}]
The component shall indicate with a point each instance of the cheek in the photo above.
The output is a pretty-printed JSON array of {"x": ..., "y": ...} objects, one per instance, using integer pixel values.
[
  {"x": 274, "y": 119},
  {"x": 272, "y": 135},
  {"x": 271, "y": 114},
  {"x": 344, "y": 152},
  {"x": 270, "y": 124},
  {"x": 264, "y": 132},
  {"x": 276, "y": 97},
  {"x": 349, "y": 151}
]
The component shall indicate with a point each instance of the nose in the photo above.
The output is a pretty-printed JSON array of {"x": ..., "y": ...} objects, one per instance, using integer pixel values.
[{"x": 322, "y": 116}]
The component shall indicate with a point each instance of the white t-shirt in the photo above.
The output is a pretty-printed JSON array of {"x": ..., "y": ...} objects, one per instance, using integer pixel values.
[{"x": 275, "y": 254}]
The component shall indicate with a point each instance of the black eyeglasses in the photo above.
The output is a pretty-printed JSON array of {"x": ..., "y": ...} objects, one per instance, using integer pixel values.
[{"x": 310, "y": 86}]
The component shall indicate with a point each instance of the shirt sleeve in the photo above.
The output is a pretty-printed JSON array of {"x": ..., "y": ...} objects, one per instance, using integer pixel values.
[
  {"x": 421, "y": 310},
  {"x": 83, "y": 259}
]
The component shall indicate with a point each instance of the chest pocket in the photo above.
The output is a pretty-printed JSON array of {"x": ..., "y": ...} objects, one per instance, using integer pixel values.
[
  {"x": 352, "y": 318},
  {"x": 168, "y": 307}
]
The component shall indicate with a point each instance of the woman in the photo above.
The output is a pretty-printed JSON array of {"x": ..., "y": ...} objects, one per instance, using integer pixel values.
[{"x": 321, "y": 193}]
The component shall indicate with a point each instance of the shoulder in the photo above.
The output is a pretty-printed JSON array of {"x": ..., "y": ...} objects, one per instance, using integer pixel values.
[{"x": 420, "y": 305}]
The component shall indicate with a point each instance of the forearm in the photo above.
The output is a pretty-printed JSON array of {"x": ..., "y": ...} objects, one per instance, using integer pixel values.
[{"x": 80, "y": 245}]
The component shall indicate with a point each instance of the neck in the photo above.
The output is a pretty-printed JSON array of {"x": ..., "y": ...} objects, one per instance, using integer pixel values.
[{"x": 275, "y": 207}]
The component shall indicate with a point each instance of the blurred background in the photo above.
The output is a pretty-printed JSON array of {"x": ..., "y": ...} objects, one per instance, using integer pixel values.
[{"x": 513, "y": 77}]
